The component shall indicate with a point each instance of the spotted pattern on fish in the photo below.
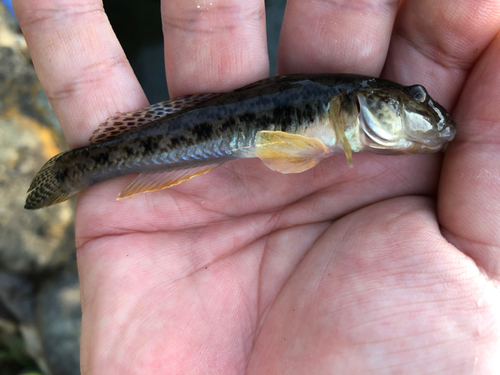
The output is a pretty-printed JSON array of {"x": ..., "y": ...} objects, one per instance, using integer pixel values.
[{"x": 199, "y": 132}]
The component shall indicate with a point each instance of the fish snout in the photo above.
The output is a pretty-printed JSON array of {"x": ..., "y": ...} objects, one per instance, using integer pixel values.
[{"x": 448, "y": 133}]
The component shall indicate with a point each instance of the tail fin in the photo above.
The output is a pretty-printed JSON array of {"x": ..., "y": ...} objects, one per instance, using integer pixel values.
[{"x": 47, "y": 188}]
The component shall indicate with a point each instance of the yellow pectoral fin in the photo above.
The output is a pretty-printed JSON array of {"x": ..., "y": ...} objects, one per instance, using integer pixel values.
[
  {"x": 289, "y": 153},
  {"x": 338, "y": 118}
]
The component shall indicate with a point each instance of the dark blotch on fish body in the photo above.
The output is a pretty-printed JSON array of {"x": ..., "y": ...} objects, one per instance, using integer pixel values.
[{"x": 187, "y": 136}]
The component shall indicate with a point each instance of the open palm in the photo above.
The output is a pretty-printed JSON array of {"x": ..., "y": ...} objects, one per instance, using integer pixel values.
[{"x": 388, "y": 267}]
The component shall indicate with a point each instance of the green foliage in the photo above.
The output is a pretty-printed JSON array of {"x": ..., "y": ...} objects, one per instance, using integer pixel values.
[{"x": 13, "y": 358}]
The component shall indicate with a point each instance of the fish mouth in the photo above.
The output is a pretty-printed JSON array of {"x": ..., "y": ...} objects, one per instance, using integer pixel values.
[
  {"x": 448, "y": 133},
  {"x": 443, "y": 137},
  {"x": 438, "y": 142}
]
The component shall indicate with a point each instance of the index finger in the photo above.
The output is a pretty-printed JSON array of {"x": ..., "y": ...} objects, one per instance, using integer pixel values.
[{"x": 79, "y": 62}]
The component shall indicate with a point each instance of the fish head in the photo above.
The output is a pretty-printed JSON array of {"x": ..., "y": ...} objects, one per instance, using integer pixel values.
[{"x": 402, "y": 120}]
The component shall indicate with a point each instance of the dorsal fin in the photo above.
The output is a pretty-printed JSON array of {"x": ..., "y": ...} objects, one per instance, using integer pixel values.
[
  {"x": 122, "y": 122},
  {"x": 263, "y": 83}
]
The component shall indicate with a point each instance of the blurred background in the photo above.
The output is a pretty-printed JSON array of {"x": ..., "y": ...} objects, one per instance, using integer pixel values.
[
  {"x": 140, "y": 32},
  {"x": 39, "y": 292}
]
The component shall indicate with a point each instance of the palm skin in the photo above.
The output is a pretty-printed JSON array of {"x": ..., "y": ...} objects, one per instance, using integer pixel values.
[{"x": 390, "y": 267}]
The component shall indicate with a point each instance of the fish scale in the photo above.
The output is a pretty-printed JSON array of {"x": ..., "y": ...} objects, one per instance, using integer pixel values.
[{"x": 290, "y": 122}]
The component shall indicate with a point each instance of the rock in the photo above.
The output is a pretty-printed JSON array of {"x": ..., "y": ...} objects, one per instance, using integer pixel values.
[
  {"x": 33, "y": 346},
  {"x": 13, "y": 358},
  {"x": 39, "y": 299},
  {"x": 20, "y": 343},
  {"x": 18, "y": 296},
  {"x": 32, "y": 241},
  {"x": 58, "y": 319},
  {"x": 49, "y": 322}
]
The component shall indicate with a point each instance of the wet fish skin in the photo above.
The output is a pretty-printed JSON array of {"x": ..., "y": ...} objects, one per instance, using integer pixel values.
[{"x": 210, "y": 129}]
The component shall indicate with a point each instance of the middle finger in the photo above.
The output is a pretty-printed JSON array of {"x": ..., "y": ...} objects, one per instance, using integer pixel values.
[
  {"x": 214, "y": 45},
  {"x": 344, "y": 36}
]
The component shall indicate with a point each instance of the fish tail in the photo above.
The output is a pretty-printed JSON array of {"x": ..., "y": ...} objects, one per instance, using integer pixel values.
[{"x": 47, "y": 188}]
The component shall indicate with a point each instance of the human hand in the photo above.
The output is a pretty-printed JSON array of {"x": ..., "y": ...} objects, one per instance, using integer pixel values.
[{"x": 389, "y": 267}]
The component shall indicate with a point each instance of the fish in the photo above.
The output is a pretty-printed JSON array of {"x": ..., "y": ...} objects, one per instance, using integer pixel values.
[{"x": 289, "y": 122}]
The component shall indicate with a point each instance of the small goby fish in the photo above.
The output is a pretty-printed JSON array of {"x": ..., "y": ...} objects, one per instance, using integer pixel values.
[{"x": 290, "y": 122}]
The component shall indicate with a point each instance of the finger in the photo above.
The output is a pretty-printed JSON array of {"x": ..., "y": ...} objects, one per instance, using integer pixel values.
[
  {"x": 336, "y": 36},
  {"x": 80, "y": 63},
  {"x": 435, "y": 43},
  {"x": 469, "y": 198},
  {"x": 214, "y": 45}
]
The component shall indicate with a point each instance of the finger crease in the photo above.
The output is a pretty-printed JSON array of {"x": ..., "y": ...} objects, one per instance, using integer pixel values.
[
  {"x": 91, "y": 74},
  {"x": 436, "y": 53},
  {"x": 54, "y": 14},
  {"x": 200, "y": 21},
  {"x": 364, "y": 6}
]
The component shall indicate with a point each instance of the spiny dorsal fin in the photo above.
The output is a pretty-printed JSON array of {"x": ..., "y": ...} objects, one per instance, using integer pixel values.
[
  {"x": 162, "y": 180},
  {"x": 116, "y": 125},
  {"x": 289, "y": 153},
  {"x": 262, "y": 83}
]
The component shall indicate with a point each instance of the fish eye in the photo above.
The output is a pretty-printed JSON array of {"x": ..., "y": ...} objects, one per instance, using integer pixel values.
[{"x": 418, "y": 93}]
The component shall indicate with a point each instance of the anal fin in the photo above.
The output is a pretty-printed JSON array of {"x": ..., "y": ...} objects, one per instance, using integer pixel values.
[
  {"x": 162, "y": 180},
  {"x": 289, "y": 153}
]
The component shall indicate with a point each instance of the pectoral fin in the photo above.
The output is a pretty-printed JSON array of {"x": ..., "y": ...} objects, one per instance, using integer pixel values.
[
  {"x": 340, "y": 108},
  {"x": 289, "y": 153},
  {"x": 162, "y": 180}
]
